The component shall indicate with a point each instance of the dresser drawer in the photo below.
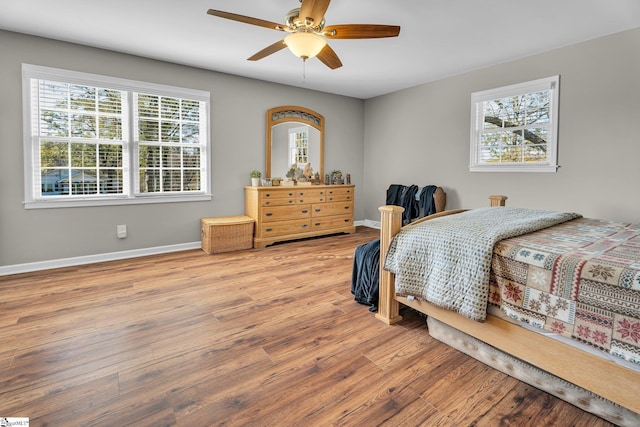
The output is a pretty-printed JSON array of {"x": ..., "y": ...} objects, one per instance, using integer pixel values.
[
  {"x": 277, "y": 194},
  {"x": 277, "y": 197},
  {"x": 343, "y": 197},
  {"x": 328, "y": 209},
  {"x": 311, "y": 196},
  {"x": 331, "y": 221},
  {"x": 283, "y": 213},
  {"x": 339, "y": 194},
  {"x": 279, "y": 228},
  {"x": 278, "y": 201}
]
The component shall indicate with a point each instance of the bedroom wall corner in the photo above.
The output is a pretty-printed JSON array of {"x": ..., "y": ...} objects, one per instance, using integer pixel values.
[{"x": 598, "y": 150}]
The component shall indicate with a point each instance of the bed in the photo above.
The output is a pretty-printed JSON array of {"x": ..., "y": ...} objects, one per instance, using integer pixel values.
[{"x": 574, "y": 283}]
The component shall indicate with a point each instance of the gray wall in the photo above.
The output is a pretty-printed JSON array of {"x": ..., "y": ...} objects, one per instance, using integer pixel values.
[
  {"x": 238, "y": 113},
  {"x": 421, "y": 135}
]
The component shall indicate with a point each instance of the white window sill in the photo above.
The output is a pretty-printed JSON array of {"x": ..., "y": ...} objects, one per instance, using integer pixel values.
[
  {"x": 141, "y": 200},
  {"x": 513, "y": 168}
]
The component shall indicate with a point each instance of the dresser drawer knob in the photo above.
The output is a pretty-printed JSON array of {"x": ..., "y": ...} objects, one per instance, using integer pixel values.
[
  {"x": 347, "y": 207},
  {"x": 290, "y": 194},
  {"x": 318, "y": 209},
  {"x": 268, "y": 230},
  {"x": 305, "y": 225},
  {"x": 305, "y": 210},
  {"x": 318, "y": 224},
  {"x": 269, "y": 214},
  {"x": 267, "y": 194}
]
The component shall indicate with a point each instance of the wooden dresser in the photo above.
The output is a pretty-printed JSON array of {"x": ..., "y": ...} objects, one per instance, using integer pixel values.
[{"x": 287, "y": 213}]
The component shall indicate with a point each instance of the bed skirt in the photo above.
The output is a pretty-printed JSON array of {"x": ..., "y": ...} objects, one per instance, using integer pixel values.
[{"x": 531, "y": 375}]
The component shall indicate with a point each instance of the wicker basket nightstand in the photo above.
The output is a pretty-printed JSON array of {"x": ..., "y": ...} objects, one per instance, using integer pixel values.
[{"x": 226, "y": 233}]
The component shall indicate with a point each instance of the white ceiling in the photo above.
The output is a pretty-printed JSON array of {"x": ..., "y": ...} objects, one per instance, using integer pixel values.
[{"x": 438, "y": 38}]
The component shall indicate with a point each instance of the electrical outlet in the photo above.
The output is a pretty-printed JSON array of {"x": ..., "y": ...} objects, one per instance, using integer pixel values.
[{"x": 122, "y": 231}]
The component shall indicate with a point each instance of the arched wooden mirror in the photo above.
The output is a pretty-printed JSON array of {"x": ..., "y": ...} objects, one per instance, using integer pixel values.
[{"x": 294, "y": 135}]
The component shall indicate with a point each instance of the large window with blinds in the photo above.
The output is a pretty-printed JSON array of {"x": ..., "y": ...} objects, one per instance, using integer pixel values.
[
  {"x": 514, "y": 128},
  {"x": 95, "y": 140}
]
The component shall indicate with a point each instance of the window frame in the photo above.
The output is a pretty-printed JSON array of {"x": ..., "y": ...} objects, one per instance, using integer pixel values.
[
  {"x": 132, "y": 195},
  {"x": 551, "y": 84}
]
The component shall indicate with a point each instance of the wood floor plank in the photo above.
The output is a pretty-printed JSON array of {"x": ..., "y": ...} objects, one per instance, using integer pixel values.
[
  {"x": 45, "y": 404},
  {"x": 267, "y": 336},
  {"x": 511, "y": 411}
]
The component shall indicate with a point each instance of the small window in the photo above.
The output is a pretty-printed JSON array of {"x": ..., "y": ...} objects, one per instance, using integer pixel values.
[
  {"x": 97, "y": 140},
  {"x": 514, "y": 128}
]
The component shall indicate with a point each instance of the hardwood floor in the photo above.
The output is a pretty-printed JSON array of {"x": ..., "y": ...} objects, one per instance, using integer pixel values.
[{"x": 264, "y": 337}]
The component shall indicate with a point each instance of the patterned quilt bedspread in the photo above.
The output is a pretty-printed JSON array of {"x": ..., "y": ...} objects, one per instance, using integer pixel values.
[
  {"x": 580, "y": 279},
  {"x": 447, "y": 260}
]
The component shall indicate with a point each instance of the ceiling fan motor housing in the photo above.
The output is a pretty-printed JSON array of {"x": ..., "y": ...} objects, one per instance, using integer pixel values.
[{"x": 296, "y": 23}]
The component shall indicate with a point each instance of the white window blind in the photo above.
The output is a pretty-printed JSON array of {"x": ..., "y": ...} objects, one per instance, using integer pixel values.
[
  {"x": 170, "y": 144},
  {"x": 79, "y": 135},
  {"x": 99, "y": 140}
]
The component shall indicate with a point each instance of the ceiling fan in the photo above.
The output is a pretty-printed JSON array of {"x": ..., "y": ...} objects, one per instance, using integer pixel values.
[{"x": 307, "y": 32}]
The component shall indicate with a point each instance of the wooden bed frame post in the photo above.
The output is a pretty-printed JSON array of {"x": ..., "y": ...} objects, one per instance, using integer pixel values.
[
  {"x": 390, "y": 225},
  {"x": 497, "y": 200}
]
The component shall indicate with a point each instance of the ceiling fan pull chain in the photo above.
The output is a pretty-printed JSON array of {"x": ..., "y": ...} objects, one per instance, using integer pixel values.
[{"x": 304, "y": 71}]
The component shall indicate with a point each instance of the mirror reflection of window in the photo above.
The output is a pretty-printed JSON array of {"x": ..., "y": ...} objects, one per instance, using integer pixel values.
[{"x": 299, "y": 146}]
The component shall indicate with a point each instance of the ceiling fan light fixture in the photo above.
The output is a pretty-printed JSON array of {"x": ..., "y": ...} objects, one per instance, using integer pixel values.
[{"x": 304, "y": 44}]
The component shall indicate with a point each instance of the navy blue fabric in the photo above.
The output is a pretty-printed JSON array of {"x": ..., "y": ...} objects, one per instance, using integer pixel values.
[
  {"x": 426, "y": 200},
  {"x": 410, "y": 204},
  {"x": 366, "y": 274},
  {"x": 394, "y": 194}
]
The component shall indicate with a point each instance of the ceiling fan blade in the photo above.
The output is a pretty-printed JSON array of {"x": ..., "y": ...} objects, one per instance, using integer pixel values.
[
  {"x": 361, "y": 31},
  {"x": 329, "y": 58},
  {"x": 246, "y": 19},
  {"x": 314, "y": 9},
  {"x": 277, "y": 46}
]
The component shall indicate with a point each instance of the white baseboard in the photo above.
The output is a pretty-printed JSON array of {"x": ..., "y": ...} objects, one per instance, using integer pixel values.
[
  {"x": 367, "y": 223},
  {"x": 113, "y": 256},
  {"x": 90, "y": 259},
  {"x": 371, "y": 224}
]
